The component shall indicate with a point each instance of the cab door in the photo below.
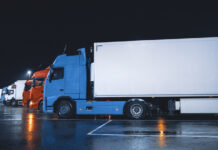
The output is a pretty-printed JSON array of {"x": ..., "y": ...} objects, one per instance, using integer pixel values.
[
  {"x": 54, "y": 87},
  {"x": 72, "y": 78}
]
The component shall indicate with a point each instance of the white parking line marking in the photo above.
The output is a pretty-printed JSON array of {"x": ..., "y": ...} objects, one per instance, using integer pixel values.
[
  {"x": 131, "y": 135},
  {"x": 90, "y": 133},
  {"x": 168, "y": 120}
]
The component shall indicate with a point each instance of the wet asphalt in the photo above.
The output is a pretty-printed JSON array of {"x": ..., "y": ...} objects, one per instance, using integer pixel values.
[{"x": 21, "y": 128}]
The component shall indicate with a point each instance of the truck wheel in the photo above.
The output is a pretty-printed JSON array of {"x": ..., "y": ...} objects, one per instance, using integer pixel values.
[
  {"x": 135, "y": 110},
  {"x": 65, "y": 109},
  {"x": 28, "y": 104},
  {"x": 13, "y": 103},
  {"x": 8, "y": 103},
  {"x": 41, "y": 106}
]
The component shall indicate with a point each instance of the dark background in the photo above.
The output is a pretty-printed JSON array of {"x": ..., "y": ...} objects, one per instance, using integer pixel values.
[{"x": 34, "y": 32}]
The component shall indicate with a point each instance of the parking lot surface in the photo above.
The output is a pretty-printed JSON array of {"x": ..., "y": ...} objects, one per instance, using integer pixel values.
[{"x": 21, "y": 128}]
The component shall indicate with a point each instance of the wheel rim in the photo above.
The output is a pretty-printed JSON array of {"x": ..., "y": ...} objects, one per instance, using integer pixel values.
[
  {"x": 64, "y": 109},
  {"x": 136, "y": 110}
]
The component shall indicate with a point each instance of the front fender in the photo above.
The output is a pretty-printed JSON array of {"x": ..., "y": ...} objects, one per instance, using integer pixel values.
[{"x": 48, "y": 103}]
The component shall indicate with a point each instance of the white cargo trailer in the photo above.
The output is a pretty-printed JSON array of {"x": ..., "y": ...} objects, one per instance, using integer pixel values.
[
  {"x": 18, "y": 88},
  {"x": 160, "y": 68},
  {"x": 169, "y": 69},
  {"x": 15, "y": 93}
]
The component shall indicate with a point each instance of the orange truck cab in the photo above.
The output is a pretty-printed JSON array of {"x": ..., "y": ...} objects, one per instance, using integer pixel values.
[
  {"x": 26, "y": 92},
  {"x": 36, "y": 92}
]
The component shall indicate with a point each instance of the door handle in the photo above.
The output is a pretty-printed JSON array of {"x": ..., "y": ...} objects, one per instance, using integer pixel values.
[{"x": 61, "y": 89}]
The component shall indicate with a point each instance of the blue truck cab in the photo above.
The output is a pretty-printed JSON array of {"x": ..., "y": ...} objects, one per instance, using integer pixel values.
[
  {"x": 66, "y": 80},
  {"x": 66, "y": 86}
]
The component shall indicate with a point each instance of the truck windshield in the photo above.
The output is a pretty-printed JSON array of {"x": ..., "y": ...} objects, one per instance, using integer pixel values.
[
  {"x": 10, "y": 92},
  {"x": 38, "y": 81}
]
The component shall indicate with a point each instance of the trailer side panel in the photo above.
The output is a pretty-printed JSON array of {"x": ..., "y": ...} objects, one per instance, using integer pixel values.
[{"x": 161, "y": 68}]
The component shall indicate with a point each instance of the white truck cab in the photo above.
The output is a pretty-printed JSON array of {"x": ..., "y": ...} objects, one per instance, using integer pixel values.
[{"x": 9, "y": 95}]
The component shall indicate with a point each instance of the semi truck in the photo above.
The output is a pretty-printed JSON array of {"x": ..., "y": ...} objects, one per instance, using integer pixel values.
[
  {"x": 135, "y": 78},
  {"x": 9, "y": 95},
  {"x": 26, "y": 93},
  {"x": 14, "y": 95},
  {"x": 0, "y": 93},
  {"x": 36, "y": 92},
  {"x": 4, "y": 90}
]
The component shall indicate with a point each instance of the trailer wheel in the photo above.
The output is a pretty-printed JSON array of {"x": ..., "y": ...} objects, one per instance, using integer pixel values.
[
  {"x": 13, "y": 102},
  {"x": 65, "y": 109},
  {"x": 136, "y": 110},
  {"x": 40, "y": 107}
]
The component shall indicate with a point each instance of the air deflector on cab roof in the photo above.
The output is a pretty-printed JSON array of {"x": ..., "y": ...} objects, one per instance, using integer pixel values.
[{"x": 73, "y": 52}]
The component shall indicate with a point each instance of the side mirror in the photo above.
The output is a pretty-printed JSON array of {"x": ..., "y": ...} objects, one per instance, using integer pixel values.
[
  {"x": 49, "y": 78},
  {"x": 51, "y": 71},
  {"x": 34, "y": 83},
  {"x": 51, "y": 67}
]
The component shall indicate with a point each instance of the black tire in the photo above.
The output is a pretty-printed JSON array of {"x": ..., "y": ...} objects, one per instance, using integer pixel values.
[
  {"x": 40, "y": 107},
  {"x": 8, "y": 103},
  {"x": 65, "y": 109},
  {"x": 13, "y": 103},
  {"x": 136, "y": 110}
]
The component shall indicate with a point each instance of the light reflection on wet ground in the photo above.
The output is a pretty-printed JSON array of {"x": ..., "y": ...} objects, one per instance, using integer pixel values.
[
  {"x": 24, "y": 129},
  {"x": 162, "y": 129}
]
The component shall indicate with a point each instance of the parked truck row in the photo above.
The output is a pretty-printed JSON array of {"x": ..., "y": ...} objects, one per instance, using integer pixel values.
[
  {"x": 136, "y": 79},
  {"x": 28, "y": 93}
]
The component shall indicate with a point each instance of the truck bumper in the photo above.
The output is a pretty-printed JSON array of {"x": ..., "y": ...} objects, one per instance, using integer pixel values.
[
  {"x": 8, "y": 102},
  {"x": 34, "y": 105},
  {"x": 19, "y": 102},
  {"x": 24, "y": 104}
]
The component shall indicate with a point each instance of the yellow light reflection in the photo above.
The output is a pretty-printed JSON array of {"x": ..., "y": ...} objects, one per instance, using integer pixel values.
[
  {"x": 29, "y": 131},
  {"x": 30, "y": 122},
  {"x": 161, "y": 128}
]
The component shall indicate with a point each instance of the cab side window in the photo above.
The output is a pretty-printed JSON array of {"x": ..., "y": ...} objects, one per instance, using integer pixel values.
[{"x": 58, "y": 73}]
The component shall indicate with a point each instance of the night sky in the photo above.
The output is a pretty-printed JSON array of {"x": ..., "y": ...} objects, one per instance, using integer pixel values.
[{"x": 34, "y": 32}]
